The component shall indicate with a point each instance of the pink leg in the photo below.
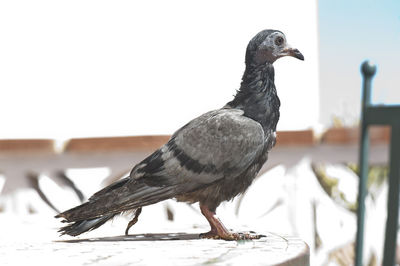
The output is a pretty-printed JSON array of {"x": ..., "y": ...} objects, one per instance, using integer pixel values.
[{"x": 219, "y": 231}]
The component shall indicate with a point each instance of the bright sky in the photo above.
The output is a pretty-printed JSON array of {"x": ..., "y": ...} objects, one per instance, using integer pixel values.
[
  {"x": 103, "y": 68},
  {"x": 351, "y": 32}
]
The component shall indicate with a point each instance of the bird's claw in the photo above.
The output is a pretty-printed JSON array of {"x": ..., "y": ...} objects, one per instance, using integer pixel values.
[
  {"x": 210, "y": 235},
  {"x": 232, "y": 236}
]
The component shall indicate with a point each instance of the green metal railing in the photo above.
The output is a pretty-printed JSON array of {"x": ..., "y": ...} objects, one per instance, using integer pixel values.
[{"x": 378, "y": 115}]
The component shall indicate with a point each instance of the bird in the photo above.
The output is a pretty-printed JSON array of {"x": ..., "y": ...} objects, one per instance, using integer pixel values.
[{"x": 211, "y": 159}]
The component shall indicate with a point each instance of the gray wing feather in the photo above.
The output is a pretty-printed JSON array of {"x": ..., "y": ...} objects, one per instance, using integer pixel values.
[{"x": 218, "y": 144}]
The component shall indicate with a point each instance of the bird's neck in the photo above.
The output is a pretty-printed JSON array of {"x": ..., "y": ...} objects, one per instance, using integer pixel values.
[{"x": 257, "y": 95}]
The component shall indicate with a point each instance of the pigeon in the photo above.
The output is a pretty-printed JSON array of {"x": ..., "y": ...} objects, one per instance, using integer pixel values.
[{"x": 211, "y": 159}]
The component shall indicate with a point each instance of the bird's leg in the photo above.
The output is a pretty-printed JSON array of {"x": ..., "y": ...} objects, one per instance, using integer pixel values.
[
  {"x": 134, "y": 220},
  {"x": 217, "y": 228},
  {"x": 219, "y": 231}
]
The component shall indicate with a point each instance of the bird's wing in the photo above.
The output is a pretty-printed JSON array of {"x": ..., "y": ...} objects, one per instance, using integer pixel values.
[{"x": 218, "y": 144}]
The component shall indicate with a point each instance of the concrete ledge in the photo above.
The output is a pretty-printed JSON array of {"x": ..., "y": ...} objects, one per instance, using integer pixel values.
[
  {"x": 144, "y": 143},
  {"x": 138, "y": 143},
  {"x": 352, "y": 135},
  {"x": 299, "y": 138},
  {"x": 189, "y": 249},
  {"x": 26, "y": 146},
  {"x": 295, "y": 138}
]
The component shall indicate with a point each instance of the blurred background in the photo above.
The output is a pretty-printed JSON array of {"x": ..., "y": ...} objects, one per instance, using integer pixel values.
[{"x": 89, "y": 88}]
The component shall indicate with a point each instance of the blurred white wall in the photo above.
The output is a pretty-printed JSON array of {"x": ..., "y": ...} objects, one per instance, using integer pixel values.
[{"x": 99, "y": 68}]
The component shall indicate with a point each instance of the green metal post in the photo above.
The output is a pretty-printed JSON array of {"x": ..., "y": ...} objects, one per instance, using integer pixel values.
[
  {"x": 368, "y": 71},
  {"x": 389, "y": 258}
]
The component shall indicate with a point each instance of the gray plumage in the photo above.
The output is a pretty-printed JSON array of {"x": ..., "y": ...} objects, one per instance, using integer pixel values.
[{"x": 211, "y": 159}]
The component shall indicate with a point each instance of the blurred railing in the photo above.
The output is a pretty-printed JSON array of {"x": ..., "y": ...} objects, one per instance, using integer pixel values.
[{"x": 378, "y": 115}]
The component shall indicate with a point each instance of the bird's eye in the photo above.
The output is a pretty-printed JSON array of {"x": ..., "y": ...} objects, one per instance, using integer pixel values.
[{"x": 279, "y": 41}]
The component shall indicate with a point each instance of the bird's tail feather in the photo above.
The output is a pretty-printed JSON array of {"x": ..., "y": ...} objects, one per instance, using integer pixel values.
[{"x": 82, "y": 226}]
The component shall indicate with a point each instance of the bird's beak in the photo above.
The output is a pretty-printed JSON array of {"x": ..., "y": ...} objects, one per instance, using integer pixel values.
[{"x": 289, "y": 51}]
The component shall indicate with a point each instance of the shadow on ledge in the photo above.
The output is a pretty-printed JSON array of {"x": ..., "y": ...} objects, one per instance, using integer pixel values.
[{"x": 137, "y": 237}]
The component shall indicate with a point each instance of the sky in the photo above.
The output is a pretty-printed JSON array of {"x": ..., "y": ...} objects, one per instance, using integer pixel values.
[{"x": 349, "y": 33}]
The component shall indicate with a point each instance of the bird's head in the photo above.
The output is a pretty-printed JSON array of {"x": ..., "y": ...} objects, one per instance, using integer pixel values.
[{"x": 269, "y": 45}]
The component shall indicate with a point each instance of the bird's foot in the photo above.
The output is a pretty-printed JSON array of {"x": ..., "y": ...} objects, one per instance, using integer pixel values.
[{"x": 232, "y": 235}]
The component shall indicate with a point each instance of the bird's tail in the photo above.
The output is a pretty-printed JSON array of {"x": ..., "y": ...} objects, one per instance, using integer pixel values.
[
  {"x": 79, "y": 227},
  {"x": 124, "y": 195}
]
